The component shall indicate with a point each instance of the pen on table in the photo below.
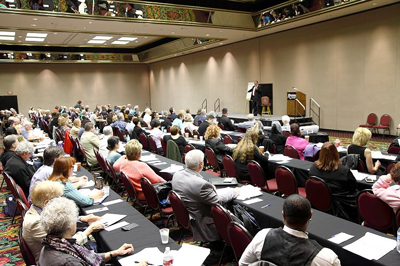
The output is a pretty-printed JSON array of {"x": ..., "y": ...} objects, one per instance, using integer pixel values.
[
  {"x": 147, "y": 263},
  {"x": 265, "y": 206}
]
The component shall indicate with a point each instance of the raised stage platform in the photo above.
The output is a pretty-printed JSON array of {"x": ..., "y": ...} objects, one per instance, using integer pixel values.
[{"x": 267, "y": 119}]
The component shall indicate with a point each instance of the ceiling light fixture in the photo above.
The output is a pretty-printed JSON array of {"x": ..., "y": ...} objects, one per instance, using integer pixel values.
[
  {"x": 7, "y": 33},
  {"x": 33, "y": 25},
  {"x": 119, "y": 42},
  {"x": 96, "y": 41},
  {"x": 7, "y": 38},
  {"x": 34, "y": 39},
  {"x": 40, "y": 35},
  {"x": 129, "y": 39},
  {"x": 208, "y": 34},
  {"x": 102, "y": 38}
]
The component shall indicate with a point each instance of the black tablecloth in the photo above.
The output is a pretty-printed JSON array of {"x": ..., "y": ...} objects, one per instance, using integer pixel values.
[{"x": 322, "y": 227}]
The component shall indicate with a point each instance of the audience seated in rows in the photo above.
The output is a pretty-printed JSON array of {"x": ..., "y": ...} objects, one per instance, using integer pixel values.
[
  {"x": 296, "y": 140},
  {"x": 90, "y": 141},
  {"x": 103, "y": 143},
  {"x": 178, "y": 139},
  {"x": 62, "y": 171},
  {"x": 245, "y": 151},
  {"x": 361, "y": 137},
  {"x": 289, "y": 245},
  {"x": 112, "y": 147},
  {"x": 225, "y": 121},
  {"x": 384, "y": 190},
  {"x": 135, "y": 170}
]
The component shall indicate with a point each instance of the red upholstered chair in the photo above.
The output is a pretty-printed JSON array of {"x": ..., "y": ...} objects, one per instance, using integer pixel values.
[
  {"x": 212, "y": 159},
  {"x": 393, "y": 149},
  {"x": 144, "y": 124},
  {"x": 221, "y": 126},
  {"x": 375, "y": 213},
  {"x": 239, "y": 237},
  {"x": 117, "y": 182},
  {"x": 371, "y": 121},
  {"x": 163, "y": 145},
  {"x": 196, "y": 133},
  {"x": 143, "y": 140},
  {"x": 384, "y": 123},
  {"x": 221, "y": 219},
  {"x": 153, "y": 146},
  {"x": 20, "y": 196},
  {"x": 152, "y": 200},
  {"x": 242, "y": 130},
  {"x": 286, "y": 133},
  {"x": 189, "y": 147},
  {"x": 10, "y": 184},
  {"x": 291, "y": 152},
  {"x": 398, "y": 219},
  {"x": 239, "y": 139},
  {"x": 287, "y": 183},
  {"x": 228, "y": 139},
  {"x": 188, "y": 131},
  {"x": 389, "y": 167},
  {"x": 132, "y": 194},
  {"x": 229, "y": 166},
  {"x": 27, "y": 255},
  {"x": 22, "y": 208},
  {"x": 46, "y": 127},
  {"x": 259, "y": 179},
  {"x": 180, "y": 211},
  {"x": 59, "y": 135},
  {"x": 101, "y": 161},
  {"x": 319, "y": 194},
  {"x": 361, "y": 167},
  {"x": 118, "y": 133}
]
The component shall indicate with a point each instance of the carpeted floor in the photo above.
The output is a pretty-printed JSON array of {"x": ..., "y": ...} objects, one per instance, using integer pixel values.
[{"x": 9, "y": 251}]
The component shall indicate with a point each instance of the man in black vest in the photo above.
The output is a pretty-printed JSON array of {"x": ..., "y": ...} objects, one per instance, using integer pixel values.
[{"x": 290, "y": 245}]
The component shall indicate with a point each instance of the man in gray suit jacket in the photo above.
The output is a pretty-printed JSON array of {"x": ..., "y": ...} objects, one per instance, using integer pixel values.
[{"x": 198, "y": 196}]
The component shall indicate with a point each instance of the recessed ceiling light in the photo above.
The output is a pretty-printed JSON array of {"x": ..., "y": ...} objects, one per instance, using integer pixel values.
[
  {"x": 41, "y": 35},
  {"x": 208, "y": 34},
  {"x": 102, "y": 38},
  {"x": 136, "y": 41},
  {"x": 34, "y": 39},
  {"x": 173, "y": 32},
  {"x": 84, "y": 28},
  {"x": 127, "y": 39},
  {"x": 96, "y": 41},
  {"x": 19, "y": 36},
  {"x": 90, "y": 22},
  {"x": 374, "y": 4},
  {"x": 145, "y": 37},
  {"x": 55, "y": 33},
  {"x": 7, "y": 38},
  {"x": 34, "y": 19},
  {"x": 204, "y": 47},
  {"x": 119, "y": 42},
  {"x": 33, "y": 25},
  {"x": 7, "y": 33},
  {"x": 221, "y": 43},
  {"x": 220, "y": 31}
]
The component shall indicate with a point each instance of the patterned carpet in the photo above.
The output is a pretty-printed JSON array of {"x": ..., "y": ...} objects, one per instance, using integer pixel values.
[{"x": 9, "y": 251}]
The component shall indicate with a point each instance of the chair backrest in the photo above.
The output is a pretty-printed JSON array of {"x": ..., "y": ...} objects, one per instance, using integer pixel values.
[
  {"x": 361, "y": 166},
  {"x": 265, "y": 101},
  {"x": 273, "y": 148},
  {"x": 221, "y": 219},
  {"x": 189, "y": 147},
  {"x": 21, "y": 195},
  {"x": 389, "y": 167},
  {"x": 163, "y": 145},
  {"x": 144, "y": 124},
  {"x": 375, "y": 213},
  {"x": 143, "y": 141},
  {"x": 397, "y": 219},
  {"x": 100, "y": 161},
  {"x": 221, "y": 126},
  {"x": 130, "y": 189},
  {"x": 286, "y": 133},
  {"x": 188, "y": 131},
  {"x": 393, "y": 149},
  {"x": 46, "y": 127},
  {"x": 212, "y": 158},
  {"x": 257, "y": 175},
  {"x": 291, "y": 152},
  {"x": 239, "y": 238},
  {"x": 10, "y": 184},
  {"x": 286, "y": 181},
  {"x": 319, "y": 194},
  {"x": 229, "y": 166},
  {"x": 196, "y": 133},
  {"x": 371, "y": 119},
  {"x": 179, "y": 208},
  {"x": 153, "y": 146},
  {"x": 22, "y": 208},
  {"x": 118, "y": 133},
  {"x": 385, "y": 120},
  {"x": 239, "y": 139},
  {"x": 25, "y": 251},
  {"x": 228, "y": 139},
  {"x": 150, "y": 193},
  {"x": 60, "y": 137},
  {"x": 111, "y": 172}
]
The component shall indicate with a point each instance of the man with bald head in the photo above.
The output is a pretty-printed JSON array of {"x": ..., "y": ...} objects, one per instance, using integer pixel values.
[{"x": 289, "y": 245}]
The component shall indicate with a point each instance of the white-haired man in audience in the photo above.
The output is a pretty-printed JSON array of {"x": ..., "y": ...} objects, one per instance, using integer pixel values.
[
  {"x": 108, "y": 132},
  {"x": 285, "y": 123},
  {"x": 120, "y": 123},
  {"x": 249, "y": 123}
]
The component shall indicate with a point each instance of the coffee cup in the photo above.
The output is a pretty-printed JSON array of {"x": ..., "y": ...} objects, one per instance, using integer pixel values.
[{"x": 262, "y": 149}]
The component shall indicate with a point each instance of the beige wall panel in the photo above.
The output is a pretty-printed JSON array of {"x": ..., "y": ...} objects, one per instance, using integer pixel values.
[{"x": 47, "y": 85}]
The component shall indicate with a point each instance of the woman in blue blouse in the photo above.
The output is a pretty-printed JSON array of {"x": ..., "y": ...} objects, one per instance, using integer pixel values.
[
  {"x": 113, "y": 146},
  {"x": 62, "y": 170}
]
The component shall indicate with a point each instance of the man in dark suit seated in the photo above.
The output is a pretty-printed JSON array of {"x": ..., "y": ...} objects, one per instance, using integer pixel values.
[
  {"x": 225, "y": 121},
  {"x": 289, "y": 245},
  {"x": 209, "y": 121},
  {"x": 10, "y": 143},
  {"x": 198, "y": 196},
  {"x": 18, "y": 168}
]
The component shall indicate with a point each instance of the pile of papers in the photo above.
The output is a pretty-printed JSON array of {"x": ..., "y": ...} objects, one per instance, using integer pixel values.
[{"x": 249, "y": 191}]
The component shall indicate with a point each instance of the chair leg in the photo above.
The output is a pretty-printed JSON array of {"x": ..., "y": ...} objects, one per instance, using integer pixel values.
[
  {"x": 222, "y": 254},
  {"x": 2, "y": 182},
  {"x": 180, "y": 236}
]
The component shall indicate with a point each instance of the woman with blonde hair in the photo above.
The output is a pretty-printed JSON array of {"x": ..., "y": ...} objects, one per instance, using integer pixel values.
[
  {"x": 62, "y": 171},
  {"x": 188, "y": 123},
  {"x": 214, "y": 141},
  {"x": 361, "y": 137},
  {"x": 135, "y": 170},
  {"x": 247, "y": 150},
  {"x": 75, "y": 128}
]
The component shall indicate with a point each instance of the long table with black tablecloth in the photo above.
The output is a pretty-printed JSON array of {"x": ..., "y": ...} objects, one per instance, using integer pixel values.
[
  {"x": 322, "y": 227},
  {"x": 141, "y": 237}
]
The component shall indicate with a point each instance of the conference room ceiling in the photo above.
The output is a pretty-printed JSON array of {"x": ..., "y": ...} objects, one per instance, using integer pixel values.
[{"x": 155, "y": 40}]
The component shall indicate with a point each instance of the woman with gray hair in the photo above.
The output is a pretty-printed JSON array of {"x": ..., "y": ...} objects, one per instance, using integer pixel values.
[
  {"x": 277, "y": 137},
  {"x": 58, "y": 219}
]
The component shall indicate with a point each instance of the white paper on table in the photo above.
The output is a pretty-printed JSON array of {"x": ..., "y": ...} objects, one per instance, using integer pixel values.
[
  {"x": 106, "y": 190},
  {"x": 172, "y": 169},
  {"x": 200, "y": 142},
  {"x": 340, "y": 238},
  {"x": 89, "y": 183},
  {"x": 97, "y": 210},
  {"x": 154, "y": 162},
  {"x": 379, "y": 155},
  {"x": 249, "y": 191},
  {"x": 361, "y": 176},
  {"x": 112, "y": 202},
  {"x": 342, "y": 149},
  {"x": 151, "y": 255},
  {"x": 279, "y": 157},
  {"x": 282, "y": 162},
  {"x": 109, "y": 219},
  {"x": 251, "y": 201},
  {"x": 148, "y": 158},
  {"x": 116, "y": 226},
  {"x": 190, "y": 255},
  {"x": 371, "y": 246},
  {"x": 160, "y": 163}
]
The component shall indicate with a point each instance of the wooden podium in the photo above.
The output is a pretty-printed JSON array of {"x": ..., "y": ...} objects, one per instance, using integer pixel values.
[{"x": 292, "y": 103}]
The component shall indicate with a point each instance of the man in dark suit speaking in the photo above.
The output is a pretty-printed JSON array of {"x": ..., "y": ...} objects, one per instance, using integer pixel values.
[{"x": 255, "y": 100}]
